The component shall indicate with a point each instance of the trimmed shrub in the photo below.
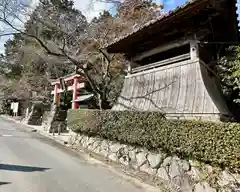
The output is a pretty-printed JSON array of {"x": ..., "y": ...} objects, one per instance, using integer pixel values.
[
  {"x": 84, "y": 121},
  {"x": 217, "y": 143}
]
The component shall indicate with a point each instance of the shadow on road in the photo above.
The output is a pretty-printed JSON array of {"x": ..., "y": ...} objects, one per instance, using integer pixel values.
[
  {"x": 4, "y": 183},
  {"x": 21, "y": 168}
]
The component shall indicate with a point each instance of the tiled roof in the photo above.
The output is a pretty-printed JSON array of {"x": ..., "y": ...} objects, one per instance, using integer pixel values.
[
  {"x": 154, "y": 21},
  {"x": 64, "y": 77},
  {"x": 84, "y": 97},
  {"x": 188, "y": 4}
]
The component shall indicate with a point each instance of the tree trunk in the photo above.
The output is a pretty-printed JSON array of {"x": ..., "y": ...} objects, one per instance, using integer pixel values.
[{"x": 103, "y": 103}]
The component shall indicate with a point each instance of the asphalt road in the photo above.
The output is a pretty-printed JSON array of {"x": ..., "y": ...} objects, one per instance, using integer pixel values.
[{"x": 30, "y": 162}]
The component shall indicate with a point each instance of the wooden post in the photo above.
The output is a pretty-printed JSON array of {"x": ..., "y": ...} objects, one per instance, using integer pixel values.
[
  {"x": 75, "y": 93},
  {"x": 56, "y": 99},
  {"x": 129, "y": 69},
  {"x": 194, "y": 52}
]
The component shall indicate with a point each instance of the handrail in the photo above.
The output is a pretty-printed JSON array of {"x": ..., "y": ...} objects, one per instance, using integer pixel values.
[{"x": 162, "y": 63}]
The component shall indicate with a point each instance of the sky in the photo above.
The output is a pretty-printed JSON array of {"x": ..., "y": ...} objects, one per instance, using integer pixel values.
[{"x": 93, "y": 10}]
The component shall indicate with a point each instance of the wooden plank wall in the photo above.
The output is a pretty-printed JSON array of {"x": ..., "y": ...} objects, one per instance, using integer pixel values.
[{"x": 180, "y": 88}]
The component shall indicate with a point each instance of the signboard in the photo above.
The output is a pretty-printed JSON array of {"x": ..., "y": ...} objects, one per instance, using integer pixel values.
[
  {"x": 63, "y": 85},
  {"x": 12, "y": 104},
  {"x": 14, "y": 107}
]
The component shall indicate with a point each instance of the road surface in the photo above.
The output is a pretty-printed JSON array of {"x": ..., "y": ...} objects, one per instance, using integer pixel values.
[{"x": 30, "y": 162}]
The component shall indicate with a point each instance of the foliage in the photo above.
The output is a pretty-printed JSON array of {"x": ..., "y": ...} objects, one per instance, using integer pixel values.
[
  {"x": 229, "y": 70},
  {"x": 84, "y": 121},
  {"x": 137, "y": 13},
  {"x": 59, "y": 34},
  {"x": 217, "y": 143},
  {"x": 25, "y": 67}
]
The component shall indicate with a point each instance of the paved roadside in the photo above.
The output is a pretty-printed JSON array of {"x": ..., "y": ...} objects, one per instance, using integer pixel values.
[
  {"x": 30, "y": 162},
  {"x": 63, "y": 138}
]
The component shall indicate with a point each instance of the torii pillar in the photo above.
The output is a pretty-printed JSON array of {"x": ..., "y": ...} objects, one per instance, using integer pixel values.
[
  {"x": 75, "y": 93},
  {"x": 56, "y": 98},
  {"x": 74, "y": 82}
]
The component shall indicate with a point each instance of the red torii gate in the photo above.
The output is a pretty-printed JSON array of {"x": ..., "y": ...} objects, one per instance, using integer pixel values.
[{"x": 73, "y": 82}]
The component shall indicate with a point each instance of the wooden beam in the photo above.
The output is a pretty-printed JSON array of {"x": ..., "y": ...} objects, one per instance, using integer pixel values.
[
  {"x": 162, "y": 63},
  {"x": 174, "y": 44},
  {"x": 68, "y": 78},
  {"x": 162, "y": 48},
  {"x": 70, "y": 88}
]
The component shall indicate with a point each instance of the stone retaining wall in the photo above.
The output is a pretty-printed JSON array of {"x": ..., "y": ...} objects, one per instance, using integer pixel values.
[
  {"x": 35, "y": 115},
  {"x": 176, "y": 174},
  {"x": 55, "y": 120}
]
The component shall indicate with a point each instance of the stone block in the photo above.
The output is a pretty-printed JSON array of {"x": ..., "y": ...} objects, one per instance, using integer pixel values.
[
  {"x": 155, "y": 160},
  {"x": 131, "y": 148},
  {"x": 82, "y": 140},
  {"x": 185, "y": 165},
  {"x": 194, "y": 173},
  {"x": 120, "y": 153},
  {"x": 125, "y": 149},
  {"x": 124, "y": 160},
  {"x": 96, "y": 144},
  {"x": 162, "y": 173},
  {"x": 85, "y": 145},
  {"x": 79, "y": 140},
  {"x": 104, "y": 145},
  {"x": 237, "y": 177},
  {"x": 90, "y": 140},
  {"x": 97, "y": 149},
  {"x": 115, "y": 147},
  {"x": 147, "y": 169},
  {"x": 132, "y": 155},
  {"x": 226, "y": 178},
  {"x": 204, "y": 187},
  {"x": 90, "y": 147},
  {"x": 88, "y": 143},
  {"x": 178, "y": 173},
  {"x": 141, "y": 158},
  {"x": 113, "y": 157},
  {"x": 104, "y": 153},
  {"x": 175, "y": 169},
  {"x": 166, "y": 162},
  {"x": 183, "y": 183}
]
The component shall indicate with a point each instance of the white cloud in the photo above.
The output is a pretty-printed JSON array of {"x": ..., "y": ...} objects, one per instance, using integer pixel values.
[
  {"x": 91, "y": 8},
  {"x": 2, "y": 42}
]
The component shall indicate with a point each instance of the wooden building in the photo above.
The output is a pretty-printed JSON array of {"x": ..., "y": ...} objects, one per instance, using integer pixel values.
[{"x": 173, "y": 61}]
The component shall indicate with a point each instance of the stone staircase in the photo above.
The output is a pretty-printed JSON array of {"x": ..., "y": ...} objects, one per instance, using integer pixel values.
[
  {"x": 54, "y": 121},
  {"x": 35, "y": 116}
]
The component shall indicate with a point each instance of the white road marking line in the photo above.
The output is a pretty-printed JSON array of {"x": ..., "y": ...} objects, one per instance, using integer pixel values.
[{"x": 6, "y": 135}]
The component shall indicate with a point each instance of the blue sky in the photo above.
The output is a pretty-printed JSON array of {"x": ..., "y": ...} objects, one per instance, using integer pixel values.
[
  {"x": 171, "y": 4},
  {"x": 168, "y": 4}
]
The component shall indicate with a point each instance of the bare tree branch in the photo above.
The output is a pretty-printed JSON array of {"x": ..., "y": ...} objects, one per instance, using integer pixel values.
[
  {"x": 35, "y": 37},
  {"x": 8, "y": 34}
]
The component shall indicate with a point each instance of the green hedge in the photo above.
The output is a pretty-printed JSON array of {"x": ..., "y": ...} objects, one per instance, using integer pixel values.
[{"x": 217, "y": 143}]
